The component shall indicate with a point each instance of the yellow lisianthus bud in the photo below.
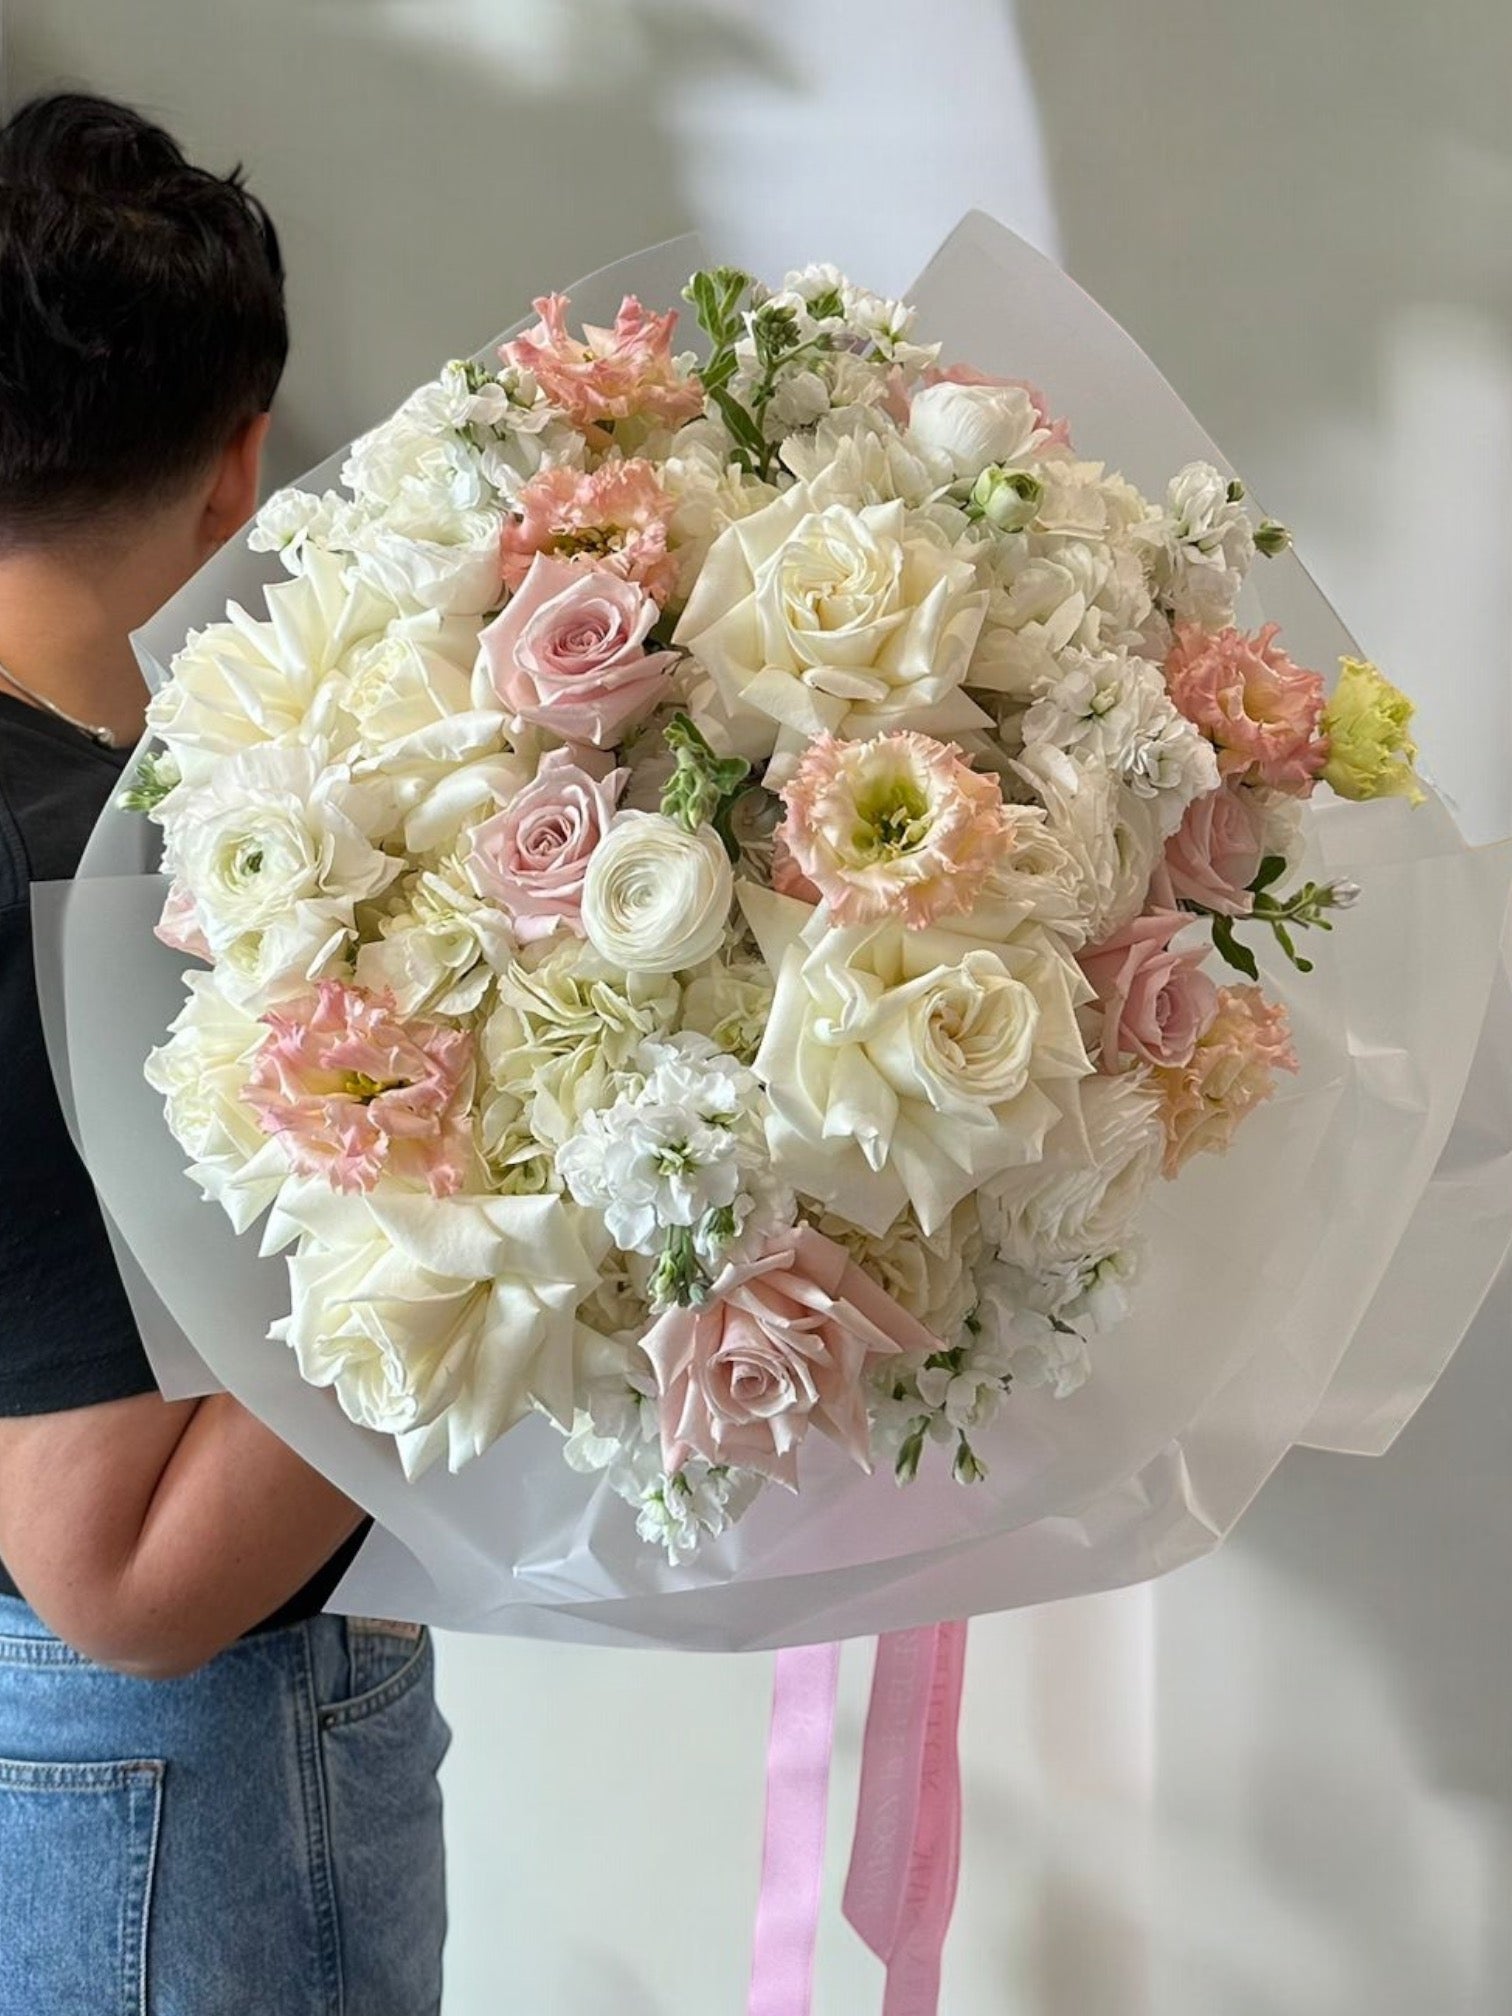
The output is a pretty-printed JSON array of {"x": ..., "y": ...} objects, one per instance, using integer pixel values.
[{"x": 1368, "y": 723}]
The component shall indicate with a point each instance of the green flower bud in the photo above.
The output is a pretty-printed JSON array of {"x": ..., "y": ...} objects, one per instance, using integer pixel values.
[{"x": 1008, "y": 499}]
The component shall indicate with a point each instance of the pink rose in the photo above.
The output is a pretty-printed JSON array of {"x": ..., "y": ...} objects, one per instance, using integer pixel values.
[
  {"x": 781, "y": 1345},
  {"x": 1263, "y": 713},
  {"x": 1216, "y": 852},
  {"x": 788, "y": 879},
  {"x": 1230, "y": 1073},
  {"x": 614, "y": 520},
  {"x": 531, "y": 858},
  {"x": 1156, "y": 1002},
  {"x": 355, "y": 1093},
  {"x": 179, "y": 925},
  {"x": 568, "y": 653},
  {"x": 606, "y": 375}
]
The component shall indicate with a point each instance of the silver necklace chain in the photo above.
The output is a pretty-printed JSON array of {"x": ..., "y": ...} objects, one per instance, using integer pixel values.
[{"x": 95, "y": 733}]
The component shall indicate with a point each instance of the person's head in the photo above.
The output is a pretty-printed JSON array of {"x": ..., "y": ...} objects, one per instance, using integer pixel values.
[{"x": 142, "y": 337}]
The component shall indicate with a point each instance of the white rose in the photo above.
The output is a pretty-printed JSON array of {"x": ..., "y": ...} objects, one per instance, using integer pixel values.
[
  {"x": 438, "y": 1321},
  {"x": 275, "y": 851},
  {"x": 1082, "y": 1198},
  {"x": 656, "y": 898},
  {"x": 202, "y": 1073},
  {"x": 245, "y": 681},
  {"x": 835, "y": 620},
  {"x": 452, "y": 564},
  {"x": 905, "y": 1067},
  {"x": 974, "y": 426},
  {"x": 416, "y": 673}
]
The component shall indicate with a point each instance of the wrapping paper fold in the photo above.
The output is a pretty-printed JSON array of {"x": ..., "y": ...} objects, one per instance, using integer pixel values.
[{"x": 1308, "y": 1288}]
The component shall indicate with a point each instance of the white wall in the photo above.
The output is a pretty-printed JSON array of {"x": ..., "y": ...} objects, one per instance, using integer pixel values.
[{"x": 1282, "y": 1783}]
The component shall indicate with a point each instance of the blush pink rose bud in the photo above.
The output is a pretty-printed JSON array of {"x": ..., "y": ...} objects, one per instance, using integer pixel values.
[
  {"x": 355, "y": 1093},
  {"x": 1263, "y": 714},
  {"x": 782, "y": 1345},
  {"x": 613, "y": 520},
  {"x": 1216, "y": 852},
  {"x": 531, "y": 858},
  {"x": 606, "y": 374},
  {"x": 1157, "y": 1002},
  {"x": 568, "y": 653}
]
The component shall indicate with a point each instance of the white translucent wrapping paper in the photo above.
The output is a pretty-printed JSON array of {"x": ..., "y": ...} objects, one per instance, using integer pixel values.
[{"x": 1307, "y": 1288}]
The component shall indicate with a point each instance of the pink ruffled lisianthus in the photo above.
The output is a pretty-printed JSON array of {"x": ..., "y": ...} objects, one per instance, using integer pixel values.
[
  {"x": 613, "y": 521},
  {"x": 900, "y": 826},
  {"x": 781, "y": 1345},
  {"x": 1263, "y": 713},
  {"x": 1157, "y": 1002},
  {"x": 606, "y": 374},
  {"x": 355, "y": 1093},
  {"x": 569, "y": 654},
  {"x": 531, "y": 858},
  {"x": 1231, "y": 1072},
  {"x": 179, "y": 926}
]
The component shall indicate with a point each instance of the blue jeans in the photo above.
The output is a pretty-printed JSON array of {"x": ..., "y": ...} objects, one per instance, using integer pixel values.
[{"x": 262, "y": 1837}]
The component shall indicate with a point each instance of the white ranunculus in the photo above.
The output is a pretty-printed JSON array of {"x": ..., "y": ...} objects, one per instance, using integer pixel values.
[
  {"x": 248, "y": 681},
  {"x": 275, "y": 851},
  {"x": 442, "y": 1322},
  {"x": 835, "y": 620},
  {"x": 905, "y": 1067},
  {"x": 1113, "y": 836},
  {"x": 975, "y": 426},
  {"x": 1082, "y": 1198},
  {"x": 202, "y": 1073},
  {"x": 656, "y": 898}
]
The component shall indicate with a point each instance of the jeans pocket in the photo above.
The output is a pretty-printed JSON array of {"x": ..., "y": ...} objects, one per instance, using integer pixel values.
[{"x": 78, "y": 1850}]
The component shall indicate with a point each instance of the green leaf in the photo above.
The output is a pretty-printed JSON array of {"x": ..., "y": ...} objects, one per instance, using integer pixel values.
[
  {"x": 1229, "y": 948},
  {"x": 1272, "y": 868}
]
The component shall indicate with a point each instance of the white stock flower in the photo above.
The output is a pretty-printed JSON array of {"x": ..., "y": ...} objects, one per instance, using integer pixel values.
[
  {"x": 249, "y": 681},
  {"x": 1082, "y": 1197},
  {"x": 440, "y": 1321},
  {"x": 906, "y": 1067},
  {"x": 835, "y": 620},
  {"x": 1200, "y": 547},
  {"x": 974, "y": 427},
  {"x": 275, "y": 851},
  {"x": 656, "y": 898},
  {"x": 1115, "y": 707},
  {"x": 1113, "y": 836},
  {"x": 1032, "y": 1350},
  {"x": 202, "y": 1073}
]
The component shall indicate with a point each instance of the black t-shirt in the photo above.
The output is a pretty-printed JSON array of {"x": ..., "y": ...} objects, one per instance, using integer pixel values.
[{"x": 67, "y": 1335}]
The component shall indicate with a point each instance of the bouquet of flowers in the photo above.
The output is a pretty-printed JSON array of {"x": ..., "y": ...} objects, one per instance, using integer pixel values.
[{"x": 729, "y": 889}]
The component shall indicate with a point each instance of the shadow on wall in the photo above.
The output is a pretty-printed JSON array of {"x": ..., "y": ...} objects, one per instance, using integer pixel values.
[{"x": 458, "y": 152}]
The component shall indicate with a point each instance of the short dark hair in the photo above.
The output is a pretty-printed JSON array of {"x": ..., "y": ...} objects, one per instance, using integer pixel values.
[{"x": 141, "y": 315}]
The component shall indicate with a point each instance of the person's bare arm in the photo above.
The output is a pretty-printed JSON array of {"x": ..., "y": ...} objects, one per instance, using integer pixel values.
[{"x": 151, "y": 1534}]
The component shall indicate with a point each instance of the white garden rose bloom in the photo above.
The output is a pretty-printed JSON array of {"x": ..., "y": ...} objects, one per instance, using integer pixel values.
[
  {"x": 249, "y": 681},
  {"x": 835, "y": 620},
  {"x": 1082, "y": 1197},
  {"x": 275, "y": 851},
  {"x": 447, "y": 560},
  {"x": 417, "y": 672},
  {"x": 1113, "y": 836},
  {"x": 905, "y": 1067},
  {"x": 202, "y": 1073},
  {"x": 973, "y": 427},
  {"x": 656, "y": 898},
  {"x": 440, "y": 1321}
]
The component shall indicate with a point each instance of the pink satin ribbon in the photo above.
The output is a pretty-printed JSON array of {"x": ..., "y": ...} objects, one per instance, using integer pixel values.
[{"x": 901, "y": 1889}]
